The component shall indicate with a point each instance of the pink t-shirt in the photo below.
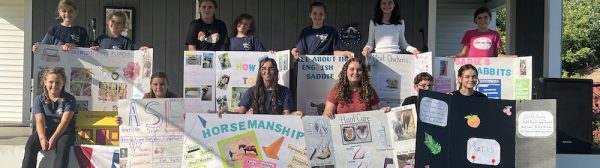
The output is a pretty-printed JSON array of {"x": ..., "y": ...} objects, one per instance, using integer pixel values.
[{"x": 482, "y": 44}]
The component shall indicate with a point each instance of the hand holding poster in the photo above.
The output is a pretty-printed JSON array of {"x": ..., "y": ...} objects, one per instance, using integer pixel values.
[{"x": 244, "y": 141}]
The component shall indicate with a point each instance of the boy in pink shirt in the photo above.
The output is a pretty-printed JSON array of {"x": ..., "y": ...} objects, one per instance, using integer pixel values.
[{"x": 481, "y": 42}]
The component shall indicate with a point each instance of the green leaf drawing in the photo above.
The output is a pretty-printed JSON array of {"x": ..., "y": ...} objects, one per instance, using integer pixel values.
[{"x": 433, "y": 146}]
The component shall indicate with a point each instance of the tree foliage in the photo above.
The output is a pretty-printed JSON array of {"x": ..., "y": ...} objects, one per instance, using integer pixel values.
[{"x": 580, "y": 36}]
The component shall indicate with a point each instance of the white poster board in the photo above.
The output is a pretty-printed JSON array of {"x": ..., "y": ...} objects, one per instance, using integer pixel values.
[
  {"x": 152, "y": 131},
  {"x": 236, "y": 140},
  {"x": 392, "y": 75},
  {"x": 236, "y": 71},
  {"x": 199, "y": 78},
  {"x": 97, "y": 79}
]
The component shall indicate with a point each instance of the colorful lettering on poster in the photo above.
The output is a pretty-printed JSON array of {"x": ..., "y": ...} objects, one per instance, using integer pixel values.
[
  {"x": 354, "y": 118},
  {"x": 473, "y": 61},
  {"x": 252, "y": 124},
  {"x": 246, "y": 67},
  {"x": 248, "y": 80}
]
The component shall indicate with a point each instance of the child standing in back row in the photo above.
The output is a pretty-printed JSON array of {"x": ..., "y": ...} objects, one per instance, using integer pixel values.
[
  {"x": 66, "y": 33},
  {"x": 243, "y": 38},
  {"x": 116, "y": 24},
  {"x": 481, "y": 42},
  {"x": 206, "y": 33}
]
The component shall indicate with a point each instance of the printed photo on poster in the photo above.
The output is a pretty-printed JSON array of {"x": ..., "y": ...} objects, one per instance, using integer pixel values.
[
  {"x": 404, "y": 125},
  {"x": 81, "y": 81},
  {"x": 235, "y": 149},
  {"x": 192, "y": 60},
  {"x": 108, "y": 11},
  {"x": 236, "y": 95},
  {"x": 207, "y": 60},
  {"x": 223, "y": 82},
  {"x": 443, "y": 68},
  {"x": 50, "y": 55},
  {"x": 356, "y": 133},
  {"x": 406, "y": 160},
  {"x": 207, "y": 92},
  {"x": 112, "y": 91},
  {"x": 222, "y": 103},
  {"x": 523, "y": 67},
  {"x": 192, "y": 92},
  {"x": 225, "y": 61},
  {"x": 315, "y": 106}
]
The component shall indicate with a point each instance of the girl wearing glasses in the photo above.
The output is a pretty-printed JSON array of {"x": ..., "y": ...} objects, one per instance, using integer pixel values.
[{"x": 266, "y": 96}]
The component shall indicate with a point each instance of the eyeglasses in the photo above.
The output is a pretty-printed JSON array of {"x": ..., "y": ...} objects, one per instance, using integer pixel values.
[
  {"x": 272, "y": 69},
  {"x": 424, "y": 85}
]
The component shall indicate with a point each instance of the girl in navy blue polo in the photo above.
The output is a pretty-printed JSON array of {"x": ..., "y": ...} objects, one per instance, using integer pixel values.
[
  {"x": 54, "y": 126},
  {"x": 66, "y": 33}
]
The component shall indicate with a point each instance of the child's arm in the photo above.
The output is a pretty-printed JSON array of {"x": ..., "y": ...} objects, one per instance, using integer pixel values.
[
  {"x": 371, "y": 40},
  {"x": 463, "y": 52},
  {"x": 329, "y": 110},
  {"x": 344, "y": 53},
  {"x": 40, "y": 130},
  {"x": 61, "y": 128}
]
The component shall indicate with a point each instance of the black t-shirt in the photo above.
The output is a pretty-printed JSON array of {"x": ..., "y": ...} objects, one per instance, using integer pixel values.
[
  {"x": 248, "y": 43},
  {"x": 476, "y": 94},
  {"x": 321, "y": 41},
  {"x": 59, "y": 35},
  {"x": 410, "y": 100},
  {"x": 119, "y": 43},
  {"x": 207, "y": 37}
]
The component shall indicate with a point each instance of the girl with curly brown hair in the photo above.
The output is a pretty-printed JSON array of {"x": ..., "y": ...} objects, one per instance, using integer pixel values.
[{"x": 352, "y": 92}]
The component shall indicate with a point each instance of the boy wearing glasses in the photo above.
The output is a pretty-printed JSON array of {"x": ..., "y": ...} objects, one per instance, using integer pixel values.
[{"x": 423, "y": 81}]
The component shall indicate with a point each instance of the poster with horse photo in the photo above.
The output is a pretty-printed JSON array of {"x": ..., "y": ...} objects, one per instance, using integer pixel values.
[
  {"x": 236, "y": 71},
  {"x": 239, "y": 140},
  {"x": 402, "y": 123}
]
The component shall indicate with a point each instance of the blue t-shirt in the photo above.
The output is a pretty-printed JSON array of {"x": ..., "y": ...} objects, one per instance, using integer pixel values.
[
  {"x": 248, "y": 43},
  {"x": 207, "y": 37},
  {"x": 59, "y": 35},
  {"x": 285, "y": 101},
  {"x": 53, "y": 110},
  {"x": 321, "y": 41},
  {"x": 119, "y": 43}
]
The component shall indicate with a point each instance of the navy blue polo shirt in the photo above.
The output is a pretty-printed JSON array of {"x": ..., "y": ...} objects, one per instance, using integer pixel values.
[
  {"x": 118, "y": 43},
  {"x": 53, "y": 111},
  {"x": 59, "y": 35}
]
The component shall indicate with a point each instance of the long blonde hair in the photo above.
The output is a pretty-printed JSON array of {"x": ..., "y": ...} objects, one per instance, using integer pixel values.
[{"x": 59, "y": 72}]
